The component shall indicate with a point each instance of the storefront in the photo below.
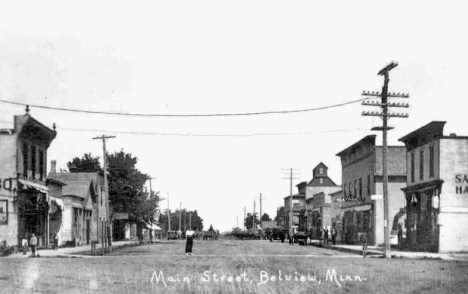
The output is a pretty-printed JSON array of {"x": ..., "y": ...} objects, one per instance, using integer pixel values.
[{"x": 33, "y": 212}]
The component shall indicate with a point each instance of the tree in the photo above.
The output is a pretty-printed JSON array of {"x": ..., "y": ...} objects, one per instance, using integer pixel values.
[
  {"x": 197, "y": 222},
  {"x": 266, "y": 217},
  {"x": 248, "y": 220},
  {"x": 87, "y": 163},
  {"x": 279, "y": 214},
  {"x": 211, "y": 228},
  {"x": 126, "y": 188}
]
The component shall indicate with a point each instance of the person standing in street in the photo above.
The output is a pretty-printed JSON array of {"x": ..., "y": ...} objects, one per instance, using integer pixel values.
[
  {"x": 364, "y": 244},
  {"x": 333, "y": 235},
  {"x": 55, "y": 241},
  {"x": 325, "y": 235},
  {"x": 24, "y": 243},
  {"x": 189, "y": 236},
  {"x": 33, "y": 243}
]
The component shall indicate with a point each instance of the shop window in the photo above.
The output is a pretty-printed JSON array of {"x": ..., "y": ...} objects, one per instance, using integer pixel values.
[
  {"x": 412, "y": 167},
  {"x": 3, "y": 212},
  {"x": 431, "y": 161},
  {"x": 421, "y": 165}
]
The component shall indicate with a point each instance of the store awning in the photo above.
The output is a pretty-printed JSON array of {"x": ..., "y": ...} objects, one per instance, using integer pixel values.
[{"x": 41, "y": 188}]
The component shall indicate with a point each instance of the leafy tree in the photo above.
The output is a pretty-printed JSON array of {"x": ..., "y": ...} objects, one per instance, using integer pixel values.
[
  {"x": 248, "y": 220},
  {"x": 279, "y": 213},
  {"x": 125, "y": 184},
  {"x": 87, "y": 163},
  {"x": 266, "y": 217},
  {"x": 197, "y": 222},
  {"x": 211, "y": 228}
]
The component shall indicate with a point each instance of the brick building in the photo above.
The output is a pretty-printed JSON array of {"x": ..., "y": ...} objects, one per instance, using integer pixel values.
[
  {"x": 24, "y": 199},
  {"x": 436, "y": 195},
  {"x": 362, "y": 176}
]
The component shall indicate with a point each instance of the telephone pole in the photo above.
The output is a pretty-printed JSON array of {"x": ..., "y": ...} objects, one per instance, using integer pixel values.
[
  {"x": 384, "y": 95},
  {"x": 290, "y": 177},
  {"x": 245, "y": 227},
  {"x": 261, "y": 210},
  {"x": 180, "y": 216},
  {"x": 253, "y": 217},
  {"x": 105, "y": 230},
  {"x": 190, "y": 220},
  {"x": 168, "y": 214}
]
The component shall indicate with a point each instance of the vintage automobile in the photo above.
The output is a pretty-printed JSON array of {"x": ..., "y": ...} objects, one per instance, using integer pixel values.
[{"x": 277, "y": 233}]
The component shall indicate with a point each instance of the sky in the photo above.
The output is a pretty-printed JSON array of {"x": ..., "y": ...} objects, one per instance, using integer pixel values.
[{"x": 217, "y": 57}]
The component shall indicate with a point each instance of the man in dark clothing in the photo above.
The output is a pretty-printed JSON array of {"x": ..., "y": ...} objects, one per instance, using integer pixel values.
[
  {"x": 333, "y": 235},
  {"x": 325, "y": 236}
]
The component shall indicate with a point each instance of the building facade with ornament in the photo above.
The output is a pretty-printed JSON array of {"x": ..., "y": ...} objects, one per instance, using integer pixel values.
[{"x": 436, "y": 194}]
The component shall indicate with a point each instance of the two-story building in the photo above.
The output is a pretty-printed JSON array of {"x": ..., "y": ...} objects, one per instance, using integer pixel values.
[
  {"x": 320, "y": 184},
  {"x": 362, "y": 188},
  {"x": 436, "y": 194},
  {"x": 24, "y": 200},
  {"x": 298, "y": 204}
]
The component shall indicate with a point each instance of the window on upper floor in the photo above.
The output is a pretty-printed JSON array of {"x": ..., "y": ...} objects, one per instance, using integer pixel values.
[
  {"x": 24, "y": 151},
  {"x": 412, "y": 167},
  {"x": 368, "y": 185},
  {"x": 360, "y": 188},
  {"x": 33, "y": 161},
  {"x": 431, "y": 161},
  {"x": 321, "y": 170},
  {"x": 41, "y": 165},
  {"x": 421, "y": 164},
  {"x": 321, "y": 180}
]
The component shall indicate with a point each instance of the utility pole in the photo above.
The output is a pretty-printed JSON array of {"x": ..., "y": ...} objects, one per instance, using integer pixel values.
[
  {"x": 261, "y": 210},
  {"x": 106, "y": 225},
  {"x": 384, "y": 95},
  {"x": 180, "y": 216},
  {"x": 253, "y": 217},
  {"x": 168, "y": 214},
  {"x": 190, "y": 219},
  {"x": 290, "y": 177},
  {"x": 245, "y": 227}
]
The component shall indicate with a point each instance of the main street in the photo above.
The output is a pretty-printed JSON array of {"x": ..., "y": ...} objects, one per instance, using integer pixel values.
[{"x": 230, "y": 266}]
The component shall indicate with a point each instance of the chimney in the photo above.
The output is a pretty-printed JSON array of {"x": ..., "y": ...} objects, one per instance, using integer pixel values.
[{"x": 53, "y": 167}]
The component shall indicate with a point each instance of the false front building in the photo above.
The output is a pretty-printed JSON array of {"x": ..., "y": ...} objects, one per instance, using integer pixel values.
[
  {"x": 362, "y": 190},
  {"x": 437, "y": 190},
  {"x": 24, "y": 199}
]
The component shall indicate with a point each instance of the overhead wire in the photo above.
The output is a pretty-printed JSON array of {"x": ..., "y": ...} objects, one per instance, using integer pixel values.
[{"x": 183, "y": 115}]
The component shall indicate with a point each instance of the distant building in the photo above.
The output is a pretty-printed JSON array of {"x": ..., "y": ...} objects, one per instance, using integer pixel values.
[
  {"x": 24, "y": 197},
  {"x": 436, "y": 195},
  {"x": 85, "y": 206},
  {"x": 298, "y": 204},
  {"x": 321, "y": 184}
]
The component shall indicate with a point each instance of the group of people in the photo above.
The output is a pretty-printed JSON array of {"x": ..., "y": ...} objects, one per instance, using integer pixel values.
[
  {"x": 325, "y": 233},
  {"x": 33, "y": 243}
]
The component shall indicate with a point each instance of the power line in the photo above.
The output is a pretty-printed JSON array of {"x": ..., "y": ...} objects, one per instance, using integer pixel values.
[
  {"x": 184, "y": 115},
  {"x": 199, "y": 135}
]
